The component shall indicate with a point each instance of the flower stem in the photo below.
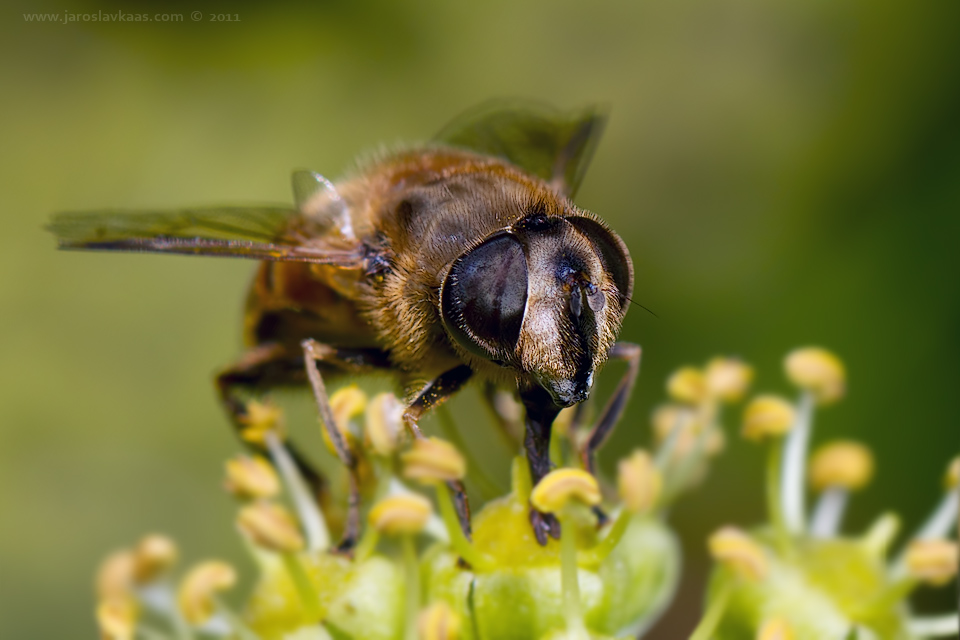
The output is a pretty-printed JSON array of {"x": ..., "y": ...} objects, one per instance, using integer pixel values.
[
  {"x": 595, "y": 556},
  {"x": 795, "y": 448},
  {"x": 774, "y": 505},
  {"x": 828, "y": 512},
  {"x": 711, "y": 619},
  {"x": 936, "y": 526},
  {"x": 570, "y": 581},
  {"x": 314, "y": 524},
  {"x": 520, "y": 483},
  {"x": 301, "y": 581},
  {"x": 412, "y": 572},
  {"x": 366, "y": 546},
  {"x": 458, "y": 541},
  {"x": 944, "y": 626}
]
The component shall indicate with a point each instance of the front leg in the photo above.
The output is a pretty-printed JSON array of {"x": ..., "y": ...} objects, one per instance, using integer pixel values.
[
  {"x": 541, "y": 412},
  {"x": 629, "y": 353}
]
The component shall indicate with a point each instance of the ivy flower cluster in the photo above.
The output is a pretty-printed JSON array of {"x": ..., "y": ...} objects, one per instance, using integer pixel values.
[
  {"x": 799, "y": 576},
  {"x": 416, "y": 573}
]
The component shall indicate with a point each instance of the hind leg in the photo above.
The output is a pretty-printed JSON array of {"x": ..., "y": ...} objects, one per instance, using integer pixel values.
[{"x": 275, "y": 365}]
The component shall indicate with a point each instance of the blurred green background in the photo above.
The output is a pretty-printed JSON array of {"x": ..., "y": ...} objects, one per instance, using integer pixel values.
[{"x": 784, "y": 173}]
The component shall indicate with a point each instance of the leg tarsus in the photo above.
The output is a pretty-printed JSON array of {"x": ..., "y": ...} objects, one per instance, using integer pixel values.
[
  {"x": 462, "y": 506},
  {"x": 351, "y": 529},
  {"x": 541, "y": 412}
]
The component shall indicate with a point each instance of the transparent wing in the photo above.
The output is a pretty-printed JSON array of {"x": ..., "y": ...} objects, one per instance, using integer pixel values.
[
  {"x": 554, "y": 145},
  {"x": 260, "y": 233},
  {"x": 317, "y": 198}
]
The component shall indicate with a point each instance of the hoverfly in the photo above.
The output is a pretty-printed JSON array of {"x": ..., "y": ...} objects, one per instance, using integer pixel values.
[{"x": 462, "y": 258}]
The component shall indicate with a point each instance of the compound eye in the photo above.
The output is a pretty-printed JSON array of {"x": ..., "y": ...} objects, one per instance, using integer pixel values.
[
  {"x": 484, "y": 296},
  {"x": 613, "y": 252}
]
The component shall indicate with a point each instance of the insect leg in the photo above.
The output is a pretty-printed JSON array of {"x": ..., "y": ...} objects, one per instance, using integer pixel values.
[
  {"x": 263, "y": 367},
  {"x": 314, "y": 352},
  {"x": 433, "y": 395},
  {"x": 541, "y": 412},
  {"x": 608, "y": 419}
]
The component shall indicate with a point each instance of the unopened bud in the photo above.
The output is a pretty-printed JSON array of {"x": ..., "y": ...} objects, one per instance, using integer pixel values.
[
  {"x": 818, "y": 371},
  {"x": 438, "y": 622},
  {"x": 775, "y": 629},
  {"x": 639, "y": 482},
  {"x": 738, "y": 551},
  {"x": 952, "y": 479},
  {"x": 933, "y": 561},
  {"x": 384, "y": 423},
  {"x": 270, "y": 526},
  {"x": 250, "y": 478},
  {"x": 687, "y": 384},
  {"x": 844, "y": 463},
  {"x": 767, "y": 417},
  {"x": 117, "y": 618},
  {"x": 433, "y": 460},
  {"x": 558, "y": 488},
  {"x": 400, "y": 514},
  {"x": 202, "y": 583},
  {"x": 115, "y": 577},
  {"x": 153, "y": 555},
  {"x": 728, "y": 378},
  {"x": 260, "y": 419}
]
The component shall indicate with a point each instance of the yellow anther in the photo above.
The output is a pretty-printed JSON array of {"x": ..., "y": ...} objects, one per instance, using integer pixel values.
[
  {"x": 433, "y": 460},
  {"x": 261, "y": 418},
  {"x": 153, "y": 555},
  {"x": 115, "y": 577},
  {"x": 438, "y": 622},
  {"x": 196, "y": 594},
  {"x": 384, "y": 423},
  {"x": 117, "y": 618},
  {"x": 843, "y": 463},
  {"x": 346, "y": 404},
  {"x": 738, "y": 551},
  {"x": 687, "y": 384},
  {"x": 933, "y": 561},
  {"x": 817, "y": 371},
  {"x": 728, "y": 379},
  {"x": 270, "y": 526},
  {"x": 639, "y": 482},
  {"x": 400, "y": 514},
  {"x": 558, "y": 488},
  {"x": 251, "y": 477},
  {"x": 766, "y": 417},
  {"x": 952, "y": 479},
  {"x": 775, "y": 629}
]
